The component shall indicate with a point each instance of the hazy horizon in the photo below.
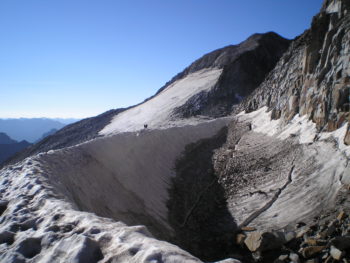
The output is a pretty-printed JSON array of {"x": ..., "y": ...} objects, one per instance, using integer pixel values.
[{"x": 76, "y": 59}]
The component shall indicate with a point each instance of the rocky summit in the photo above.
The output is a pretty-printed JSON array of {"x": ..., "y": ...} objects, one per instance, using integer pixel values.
[{"x": 242, "y": 157}]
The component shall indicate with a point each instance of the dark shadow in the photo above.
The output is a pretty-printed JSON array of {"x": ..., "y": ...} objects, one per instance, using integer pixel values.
[{"x": 197, "y": 205}]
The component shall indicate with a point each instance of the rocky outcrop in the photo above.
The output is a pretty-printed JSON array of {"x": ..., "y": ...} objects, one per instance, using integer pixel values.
[
  {"x": 323, "y": 241},
  {"x": 244, "y": 68},
  {"x": 313, "y": 76}
]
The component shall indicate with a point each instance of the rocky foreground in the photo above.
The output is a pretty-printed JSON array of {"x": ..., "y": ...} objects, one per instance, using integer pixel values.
[{"x": 322, "y": 241}]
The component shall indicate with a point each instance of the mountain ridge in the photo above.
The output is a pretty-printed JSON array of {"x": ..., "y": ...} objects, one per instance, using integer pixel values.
[
  {"x": 9, "y": 147},
  {"x": 72, "y": 134},
  {"x": 29, "y": 129}
]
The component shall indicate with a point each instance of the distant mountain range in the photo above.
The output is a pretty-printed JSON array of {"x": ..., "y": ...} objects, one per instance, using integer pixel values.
[
  {"x": 9, "y": 147},
  {"x": 31, "y": 129},
  {"x": 5, "y": 139}
]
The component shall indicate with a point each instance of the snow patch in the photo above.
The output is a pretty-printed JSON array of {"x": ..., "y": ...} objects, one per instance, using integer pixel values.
[
  {"x": 300, "y": 127},
  {"x": 339, "y": 136}
]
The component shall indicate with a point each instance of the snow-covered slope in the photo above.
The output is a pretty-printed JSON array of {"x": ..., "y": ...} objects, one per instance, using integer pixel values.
[
  {"x": 40, "y": 225},
  {"x": 157, "y": 112}
]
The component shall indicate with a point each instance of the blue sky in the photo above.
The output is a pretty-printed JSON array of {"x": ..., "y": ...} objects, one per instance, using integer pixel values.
[{"x": 79, "y": 58}]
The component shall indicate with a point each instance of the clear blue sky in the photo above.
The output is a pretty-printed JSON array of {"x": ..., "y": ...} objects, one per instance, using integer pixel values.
[{"x": 78, "y": 58}]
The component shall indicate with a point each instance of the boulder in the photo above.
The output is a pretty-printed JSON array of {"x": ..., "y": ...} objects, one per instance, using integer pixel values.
[
  {"x": 258, "y": 241},
  {"x": 294, "y": 258},
  {"x": 336, "y": 253}
]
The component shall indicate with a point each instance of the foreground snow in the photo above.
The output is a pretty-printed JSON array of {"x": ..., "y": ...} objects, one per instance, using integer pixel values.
[
  {"x": 125, "y": 177},
  {"x": 39, "y": 226}
]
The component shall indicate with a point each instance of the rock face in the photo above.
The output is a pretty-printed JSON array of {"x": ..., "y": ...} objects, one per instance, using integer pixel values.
[
  {"x": 313, "y": 76},
  {"x": 244, "y": 68}
]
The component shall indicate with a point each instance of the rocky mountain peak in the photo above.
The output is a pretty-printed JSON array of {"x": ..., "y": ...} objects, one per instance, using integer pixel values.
[
  {"x": 224, "y": 56},
  {"x": 244, "y": 67}
]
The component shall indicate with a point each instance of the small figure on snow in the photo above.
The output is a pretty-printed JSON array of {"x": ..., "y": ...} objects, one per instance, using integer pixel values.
[{"x": 145, "y": 126}]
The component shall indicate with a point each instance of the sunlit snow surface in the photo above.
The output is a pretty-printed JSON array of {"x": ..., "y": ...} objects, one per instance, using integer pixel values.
[
  {"x": 157, "y": 112},
  {"x": 299, "y": 126}
]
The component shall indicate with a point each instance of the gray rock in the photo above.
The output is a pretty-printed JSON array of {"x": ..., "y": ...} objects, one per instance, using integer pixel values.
[
  {"x": 294, "y": 258},
  {"x": 336, "y": 253},
  {"x": 289, "y": 236},
  {"x": 7, "y": 237},
  {"x": 283, "y": 257},
  {"x": 30, "y": 247}
]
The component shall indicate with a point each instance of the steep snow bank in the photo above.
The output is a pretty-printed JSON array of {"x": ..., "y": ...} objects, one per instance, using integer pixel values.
[
  {"x": 124, "y": 177},
  {"x": 157, "y": 112},
  {"x": 37, "y": 225}
]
